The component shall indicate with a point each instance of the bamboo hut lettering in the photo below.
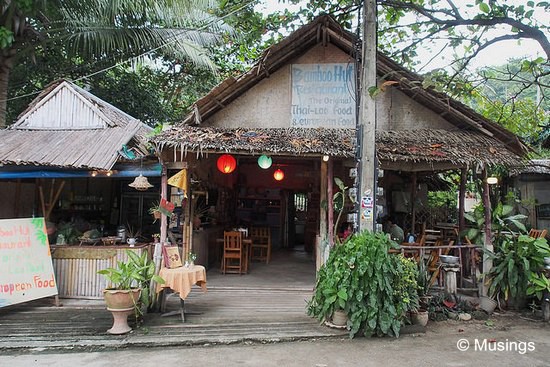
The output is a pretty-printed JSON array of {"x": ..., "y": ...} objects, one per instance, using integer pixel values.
[{"x": 321, "y": 95}]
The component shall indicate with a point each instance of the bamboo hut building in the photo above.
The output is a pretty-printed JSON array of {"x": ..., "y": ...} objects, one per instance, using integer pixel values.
[
  {"x": 532, "y": 184},
  {"x": 297, "y": 105},
  {"x": 69, "y": 158}
]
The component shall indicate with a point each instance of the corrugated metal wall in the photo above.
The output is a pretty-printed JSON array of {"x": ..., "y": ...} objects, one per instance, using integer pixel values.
[{"x": 78, "y": 278}]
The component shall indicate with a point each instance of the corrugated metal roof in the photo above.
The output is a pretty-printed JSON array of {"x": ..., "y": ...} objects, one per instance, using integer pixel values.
[{"x": 66, "y": 126}]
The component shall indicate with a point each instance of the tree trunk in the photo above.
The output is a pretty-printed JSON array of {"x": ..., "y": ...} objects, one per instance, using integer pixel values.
[{"x": 6, "y": 64}]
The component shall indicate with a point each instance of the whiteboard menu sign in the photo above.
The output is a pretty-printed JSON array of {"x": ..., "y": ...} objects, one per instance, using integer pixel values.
[
  {"x": 26, "y": 270},
  {"x": 323, "y": 95}
]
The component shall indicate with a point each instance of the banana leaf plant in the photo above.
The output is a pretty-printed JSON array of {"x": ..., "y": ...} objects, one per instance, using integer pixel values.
[
  {"x": 516, "y": 261},
  {"x": 505, "y": 223}
]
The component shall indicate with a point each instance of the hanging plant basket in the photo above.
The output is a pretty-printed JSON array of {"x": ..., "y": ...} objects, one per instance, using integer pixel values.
[{"x": 156, "y": 214}]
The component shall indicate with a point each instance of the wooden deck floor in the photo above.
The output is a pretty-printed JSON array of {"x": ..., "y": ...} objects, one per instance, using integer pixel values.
[{"x": 267, "y": 304}]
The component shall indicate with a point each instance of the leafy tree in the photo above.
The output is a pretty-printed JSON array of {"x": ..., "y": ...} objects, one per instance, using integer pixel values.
[
  {"x": 465, "y": 27},
  {"x": 106, "y": 32}
]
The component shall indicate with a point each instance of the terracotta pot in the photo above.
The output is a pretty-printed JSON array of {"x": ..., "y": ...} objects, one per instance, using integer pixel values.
[
  {"x": 121, "y": 299},
  {"x": 420, "y": 318},
  {"x": 156, "y": 214},
  {"x": 121, "y": 303}
]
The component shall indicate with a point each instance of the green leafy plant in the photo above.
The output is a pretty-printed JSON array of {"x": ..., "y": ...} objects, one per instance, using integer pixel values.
[
  {"x": 515, "y": 261},
  {"x": 407, "y": 285},
  {"x": 538, "y": 284},
  {"x": 339, "y": 203},
  {"x": 137, "y": 272},
  {"x": 69, "y": 231},
  {"x": 503, "y": 219},
  {"x": 155, "y": 207},
  {"x": 423, "y": 280},
  {"x": 364, "y": 280}
]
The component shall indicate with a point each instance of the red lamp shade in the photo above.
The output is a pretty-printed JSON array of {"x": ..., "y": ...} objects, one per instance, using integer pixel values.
[
  {"x": 226, "y": 163},
  {"x": 278, "y": 174}
]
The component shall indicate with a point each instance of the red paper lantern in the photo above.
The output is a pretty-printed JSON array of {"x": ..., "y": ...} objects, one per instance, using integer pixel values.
[
  {"x": 226, "y": 163},
  {"x": 278, "y": 175}
]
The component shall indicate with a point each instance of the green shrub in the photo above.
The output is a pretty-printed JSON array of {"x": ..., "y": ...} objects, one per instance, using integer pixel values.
[{"x": 362, "y": 278}]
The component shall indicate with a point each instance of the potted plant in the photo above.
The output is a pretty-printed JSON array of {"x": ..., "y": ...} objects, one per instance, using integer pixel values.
[
  {"x": 132, "y": 235},
  {"x": 128, "y": 289},
  {"x": 154, "y": 210},
  {"x": 363, "y": 279},
  {"x": 423, "y": 282}
]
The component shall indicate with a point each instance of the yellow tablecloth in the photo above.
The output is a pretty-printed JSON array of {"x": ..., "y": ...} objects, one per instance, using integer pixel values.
[{"x": 182, "y": 279}]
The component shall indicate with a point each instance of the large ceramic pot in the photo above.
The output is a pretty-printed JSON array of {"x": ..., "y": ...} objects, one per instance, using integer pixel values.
[
  {"x": 121, "y": 303},
  {"x": 339, "y": 318},
  {"x": 420, "y": 317}
]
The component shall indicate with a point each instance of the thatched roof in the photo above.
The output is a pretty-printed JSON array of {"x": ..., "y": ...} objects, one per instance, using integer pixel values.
[
  {"x": 534, "y": 167},
  {"x": 441, "y": 148},
  {"x": 66, "y": 126},
  {"x": 416, "y": 148},
  {"x": 323, "y": 30},
  {"x": 289, "y": 141}
]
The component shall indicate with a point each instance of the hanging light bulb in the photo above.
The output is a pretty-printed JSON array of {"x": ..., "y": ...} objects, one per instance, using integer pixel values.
[
  {"x": 278, "y": 175},
  {"x": 264, "y": 161},
  {"x": 326, "y": 158}
]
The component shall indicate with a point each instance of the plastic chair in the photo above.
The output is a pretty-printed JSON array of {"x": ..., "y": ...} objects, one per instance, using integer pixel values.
[
  {"x": 234, "y": 257},
  {"x": 261, "y": 243}
]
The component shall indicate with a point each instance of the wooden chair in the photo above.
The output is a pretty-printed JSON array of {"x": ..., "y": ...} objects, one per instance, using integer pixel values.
[
  {"x": 538, "y": 233},
  {"x": 434, "y": 266},
  {"x": 234, "y": 257},
  {"x": 261, "y": 243},
  {"x": 415, "y": 254}
]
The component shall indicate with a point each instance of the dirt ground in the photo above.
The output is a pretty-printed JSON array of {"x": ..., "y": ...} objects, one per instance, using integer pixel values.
[{"x": 508, "y": 339}]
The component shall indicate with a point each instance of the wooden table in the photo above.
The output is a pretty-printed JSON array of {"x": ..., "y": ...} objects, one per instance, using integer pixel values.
[{"x": 181, "y": 280}]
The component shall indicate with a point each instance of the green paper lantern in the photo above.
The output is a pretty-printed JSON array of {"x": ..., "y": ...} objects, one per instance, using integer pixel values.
[{"x": 264, "y": 161}]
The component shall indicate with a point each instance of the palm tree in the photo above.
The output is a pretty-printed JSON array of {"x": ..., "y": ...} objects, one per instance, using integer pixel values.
[{"x": 107, "y": 31}]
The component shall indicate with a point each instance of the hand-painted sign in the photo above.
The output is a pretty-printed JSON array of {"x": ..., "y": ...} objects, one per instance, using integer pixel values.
[
  {"x": 26, "y": 270},
  {"x": 323, "y": 95}
]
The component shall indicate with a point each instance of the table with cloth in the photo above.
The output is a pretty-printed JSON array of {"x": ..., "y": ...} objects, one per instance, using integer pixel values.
[{"x": 181, "y": 280}]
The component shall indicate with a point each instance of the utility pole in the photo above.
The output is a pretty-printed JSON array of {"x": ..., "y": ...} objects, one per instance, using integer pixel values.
[{"x": 367, "y": 122}]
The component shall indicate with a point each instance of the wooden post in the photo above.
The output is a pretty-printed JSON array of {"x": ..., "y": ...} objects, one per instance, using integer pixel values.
[
  {"x": 163, "y": 195},
  {"x": 367, "y": 120},
  {"x": 488, "y": 242},
  {"x": 413, "y": 197},
  {"x": 54, "y": 198},
  {"x": 330, "y": 190},
  {"x": 461, "y": 195},
  {"x": 323, "y": 233}
]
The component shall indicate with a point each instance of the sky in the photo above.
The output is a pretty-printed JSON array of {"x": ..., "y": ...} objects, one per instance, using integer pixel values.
[{"x": 497, "y": 54}]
